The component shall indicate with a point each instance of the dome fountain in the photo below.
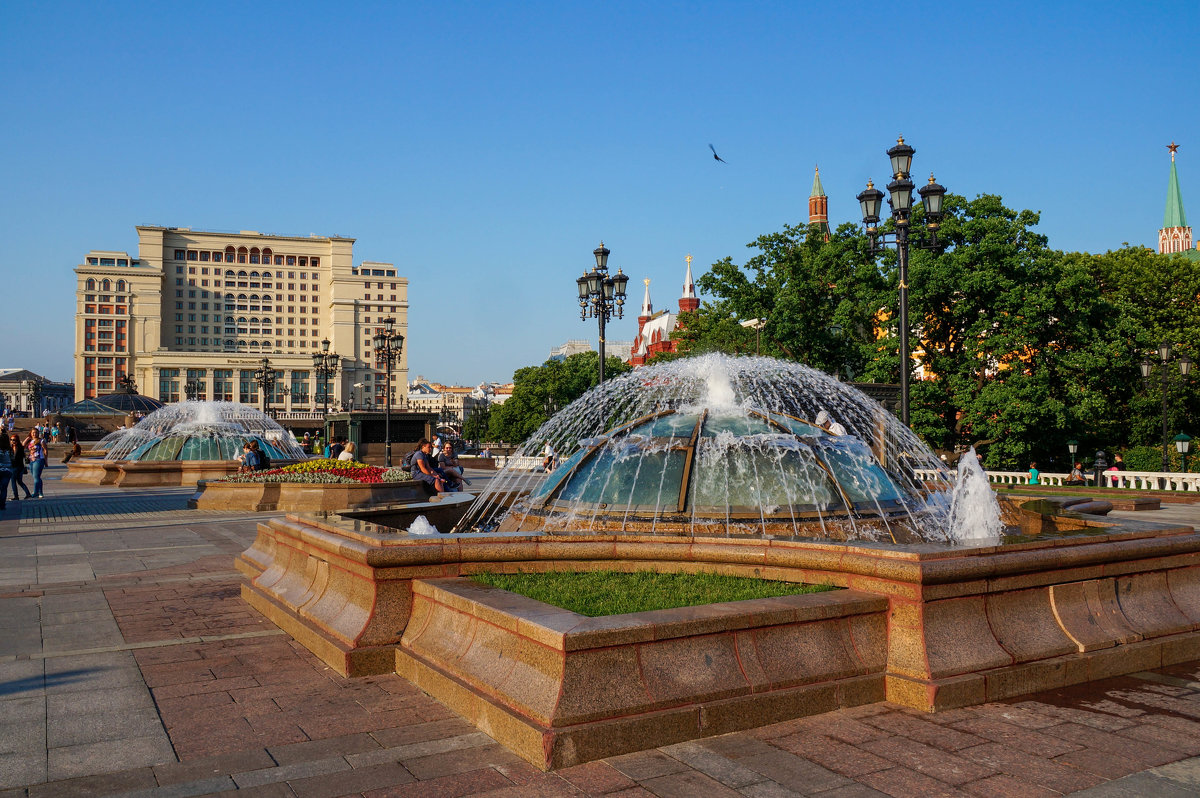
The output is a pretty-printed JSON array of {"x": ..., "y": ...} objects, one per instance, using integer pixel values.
[
  {"x": 184, "y": 442},
  {"x": 728, "y": 446}
]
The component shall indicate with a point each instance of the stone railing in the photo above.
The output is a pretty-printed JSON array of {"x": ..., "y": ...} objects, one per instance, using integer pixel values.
[
  {"x": 526, "y": 463},
  {"x": 1129, "y": 480}
]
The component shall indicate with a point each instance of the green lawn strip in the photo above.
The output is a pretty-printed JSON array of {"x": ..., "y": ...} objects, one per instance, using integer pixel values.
[{"x": 596, "y": 593}]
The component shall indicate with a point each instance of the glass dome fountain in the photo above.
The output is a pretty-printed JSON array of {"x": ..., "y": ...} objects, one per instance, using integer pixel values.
[
  {"x": 720, "y": 445},
  {"x": 201, "y": 431}
]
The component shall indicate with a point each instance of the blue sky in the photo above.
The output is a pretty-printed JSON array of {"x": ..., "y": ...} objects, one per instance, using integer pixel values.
[{"x": 486, "y": 148}]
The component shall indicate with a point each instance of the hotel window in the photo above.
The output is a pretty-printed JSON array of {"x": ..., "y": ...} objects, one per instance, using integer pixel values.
[
  {"x": 179, "y": 253},
  {"x": 192, "y": 254},
  {"x": 291, "y": 261},
  {"x": 204, "y": 257},
  {"x": 216, "y": 256}
]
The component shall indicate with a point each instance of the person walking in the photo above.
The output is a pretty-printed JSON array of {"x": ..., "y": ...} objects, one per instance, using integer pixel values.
[
  {"x": 17, "y": 454},
  {"x": 35, "y": 452},
  {"x": 5, "y": 473}
]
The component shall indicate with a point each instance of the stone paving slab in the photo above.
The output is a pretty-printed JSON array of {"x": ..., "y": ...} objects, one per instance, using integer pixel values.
[{"x": 150, "y": 677}]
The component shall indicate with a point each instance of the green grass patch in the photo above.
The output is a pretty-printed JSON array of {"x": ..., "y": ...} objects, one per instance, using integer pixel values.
[{"x": 595, "y": 593}]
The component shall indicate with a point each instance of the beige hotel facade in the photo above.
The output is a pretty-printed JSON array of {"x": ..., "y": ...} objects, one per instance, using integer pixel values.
[{"x": 207, "y": 307}]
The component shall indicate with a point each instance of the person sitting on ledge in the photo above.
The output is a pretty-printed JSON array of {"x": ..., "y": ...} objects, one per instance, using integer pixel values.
[
  {"x": 425, "y": 470},
  {"x": 249, "y": 458},
  {"x": 1076, "y": 476},
  {"x": 451, "y": 468}
]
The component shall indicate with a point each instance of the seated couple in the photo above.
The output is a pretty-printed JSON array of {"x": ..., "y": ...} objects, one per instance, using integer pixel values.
[{"x": 441, "y": 475}]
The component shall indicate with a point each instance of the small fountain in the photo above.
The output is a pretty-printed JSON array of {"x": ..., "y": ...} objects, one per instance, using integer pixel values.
[{"x": 184, "y": 442}]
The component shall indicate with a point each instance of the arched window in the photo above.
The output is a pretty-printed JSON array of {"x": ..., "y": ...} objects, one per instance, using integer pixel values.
[
  {"x": 241, "y": 297},
  {"x": 91, "y": 284},
  {"x": 254, "y": 254},
  {"x": 241, "y": 345},
  {"x": 229, "y": 274},
  {"x": 106, "y": 285},
  {"x": 254, "y": 274},
  {"x": 121, "y": 286},
  {"x": 266, "y": 254},
  {"x": 241, "y": 320},
  {"x": 254, "y": 344}
]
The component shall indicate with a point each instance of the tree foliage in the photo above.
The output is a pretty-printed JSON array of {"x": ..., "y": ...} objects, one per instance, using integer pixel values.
[
  {"x": 1023, "y": 346},
  {"x": 558, "y": 382}
]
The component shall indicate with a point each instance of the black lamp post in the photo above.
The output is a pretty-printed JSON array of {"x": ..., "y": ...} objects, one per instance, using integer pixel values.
[
  {"x": 325, "y": 363},
  {"x": 388, "y": 346},
  {"x": 1165, "y": 355},
  {"x": 601, "y": 295},
  {"x": 1183, "y": 444},
  {"x": 265, "y": 376},
  {"x": 900, "y": 202},
  {"x": 191, "y": 390}
]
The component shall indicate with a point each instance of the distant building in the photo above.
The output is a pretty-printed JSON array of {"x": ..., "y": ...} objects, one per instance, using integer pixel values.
[
  {"x": 1175, "y": 235},
  {"x": 453, "y": 403},
  {"x": 205, "y": 308},
  {"x": 27, "y": 392},
  {"x": 617, "y": 349},
  {"x": 654, "y": 329},
  {"x": 572, "y": 347}
]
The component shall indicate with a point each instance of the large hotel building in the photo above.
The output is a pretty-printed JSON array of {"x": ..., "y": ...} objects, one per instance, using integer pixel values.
[{"x": 205, "y": 308}]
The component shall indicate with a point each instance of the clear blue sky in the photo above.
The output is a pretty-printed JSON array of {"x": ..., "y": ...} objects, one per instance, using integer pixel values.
[{"x": 486, "y": 148}]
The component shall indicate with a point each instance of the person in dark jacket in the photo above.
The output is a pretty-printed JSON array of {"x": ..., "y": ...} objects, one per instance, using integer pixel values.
[{"x": 17, "y": 453}]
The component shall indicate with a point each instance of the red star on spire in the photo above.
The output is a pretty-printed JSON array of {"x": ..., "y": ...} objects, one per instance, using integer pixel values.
[{"x": 1172, "y": 147}]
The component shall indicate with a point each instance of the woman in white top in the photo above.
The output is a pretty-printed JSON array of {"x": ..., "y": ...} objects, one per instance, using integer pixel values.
[{"x": 347, "y": 452}]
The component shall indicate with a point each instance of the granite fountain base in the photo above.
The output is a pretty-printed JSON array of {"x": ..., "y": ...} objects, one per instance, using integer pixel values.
[{"x": 925, "y": 626}]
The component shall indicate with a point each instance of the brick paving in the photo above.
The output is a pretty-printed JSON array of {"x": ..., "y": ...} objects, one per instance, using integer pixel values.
[{"x": 130, "y": 665}]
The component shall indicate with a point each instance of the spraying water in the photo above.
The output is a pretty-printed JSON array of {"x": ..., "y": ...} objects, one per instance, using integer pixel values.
[
  {"x": 974, "y": 509},
  {"x": 194, "y": 430},
  {"x": 723, "y": 445}
]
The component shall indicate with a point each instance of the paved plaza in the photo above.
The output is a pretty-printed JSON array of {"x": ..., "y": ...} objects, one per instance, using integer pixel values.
[{"x": 129, "y": 665}]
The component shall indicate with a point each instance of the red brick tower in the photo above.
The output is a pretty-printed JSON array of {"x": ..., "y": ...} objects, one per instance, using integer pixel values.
[{"x": 689, "y": 301}]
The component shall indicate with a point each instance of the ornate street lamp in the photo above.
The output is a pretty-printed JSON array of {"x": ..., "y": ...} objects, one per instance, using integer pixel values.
[
  {"x": 33, "y": 390},
  {"x": 601, "y": 295},
  {"x": 901, "y": 200},
  {"x": 388, "y": 346},
  {"x": 325, "y": 364},
  {"x": 1165, "y": 356},
  {"x": 266, "y": 376}
]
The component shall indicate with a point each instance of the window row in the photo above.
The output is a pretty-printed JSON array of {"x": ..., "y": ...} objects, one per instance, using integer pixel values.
[
  {"x": 106, "y": 285},
  {"x": 244, "y": 255}
]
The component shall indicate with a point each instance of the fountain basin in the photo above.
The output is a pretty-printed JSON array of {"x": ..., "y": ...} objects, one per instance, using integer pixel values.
[
  {"x": 130, "y": 474},
  {"x": 1078, "y": 598}
]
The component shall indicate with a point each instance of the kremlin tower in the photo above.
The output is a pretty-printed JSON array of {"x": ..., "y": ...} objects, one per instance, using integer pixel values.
[
  {"x": 1175, "y": 235},
  {"x": 654, "y": 329},
  {"x": 818, "y": 204}
]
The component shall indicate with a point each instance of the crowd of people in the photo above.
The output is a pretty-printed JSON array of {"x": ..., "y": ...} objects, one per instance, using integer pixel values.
[{"x": 19, "y": 457}]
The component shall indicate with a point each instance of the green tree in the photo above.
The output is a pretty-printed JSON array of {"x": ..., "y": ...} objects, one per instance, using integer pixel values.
[
  {"x": 475, "y": 428},
  {"x": 818, "y": 300},
  {"x": 557, "y": 381}
]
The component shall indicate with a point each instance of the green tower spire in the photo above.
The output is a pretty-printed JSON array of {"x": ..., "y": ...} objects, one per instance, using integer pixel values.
[
  {"x": 1174, "y": 216},
  {"x": 818, "y": 190}
]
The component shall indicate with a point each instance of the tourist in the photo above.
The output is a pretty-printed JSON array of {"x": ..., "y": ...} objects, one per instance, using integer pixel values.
[
  {"x": 425, "y": 470},
  {"x": 549, "y": 457},
  {"x": 1118, "y": 463},
  {"x": 17, "y": 453},
  {"x": 451, "y": 468},
  {"x": 1033, "y": 474},
  {"x": 249, "y": 458},
  {"x": 1076, "y": 476},
  {"x": 55, "y": 432},
  {"x": 336, "y": 449},
  {"x": 486, "y": 451},
  {"x": 826, "y": 422},
  {"x": 35, "y": 454},
  {"x": 347, "y": 452},
  {"x": 5, "y": 474}
]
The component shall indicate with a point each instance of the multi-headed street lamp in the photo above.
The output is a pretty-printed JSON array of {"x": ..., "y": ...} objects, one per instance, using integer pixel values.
[
  {"x": 1165, "y": 355},
  {"x": 266, "y": 376},
  {"x": 388, "y": 346},
  {"x": 325, "y": 363},
  {"x": 601, "y": 295},
  {"x": 901, "y": 201}
]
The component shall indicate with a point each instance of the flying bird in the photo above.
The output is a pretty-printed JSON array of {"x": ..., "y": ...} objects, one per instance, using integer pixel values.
[{"x": 715, "y": 156}]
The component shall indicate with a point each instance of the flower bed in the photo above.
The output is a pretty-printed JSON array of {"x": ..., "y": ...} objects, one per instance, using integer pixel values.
[
  {"x": 310, "y": 486},
  {"x": 325, "y": 472}
]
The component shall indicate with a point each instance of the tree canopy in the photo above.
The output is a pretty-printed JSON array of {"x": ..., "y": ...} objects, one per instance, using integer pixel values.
[
  {"x": 558, "y": 382},
  {"x": 1022, "y": 346}
]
